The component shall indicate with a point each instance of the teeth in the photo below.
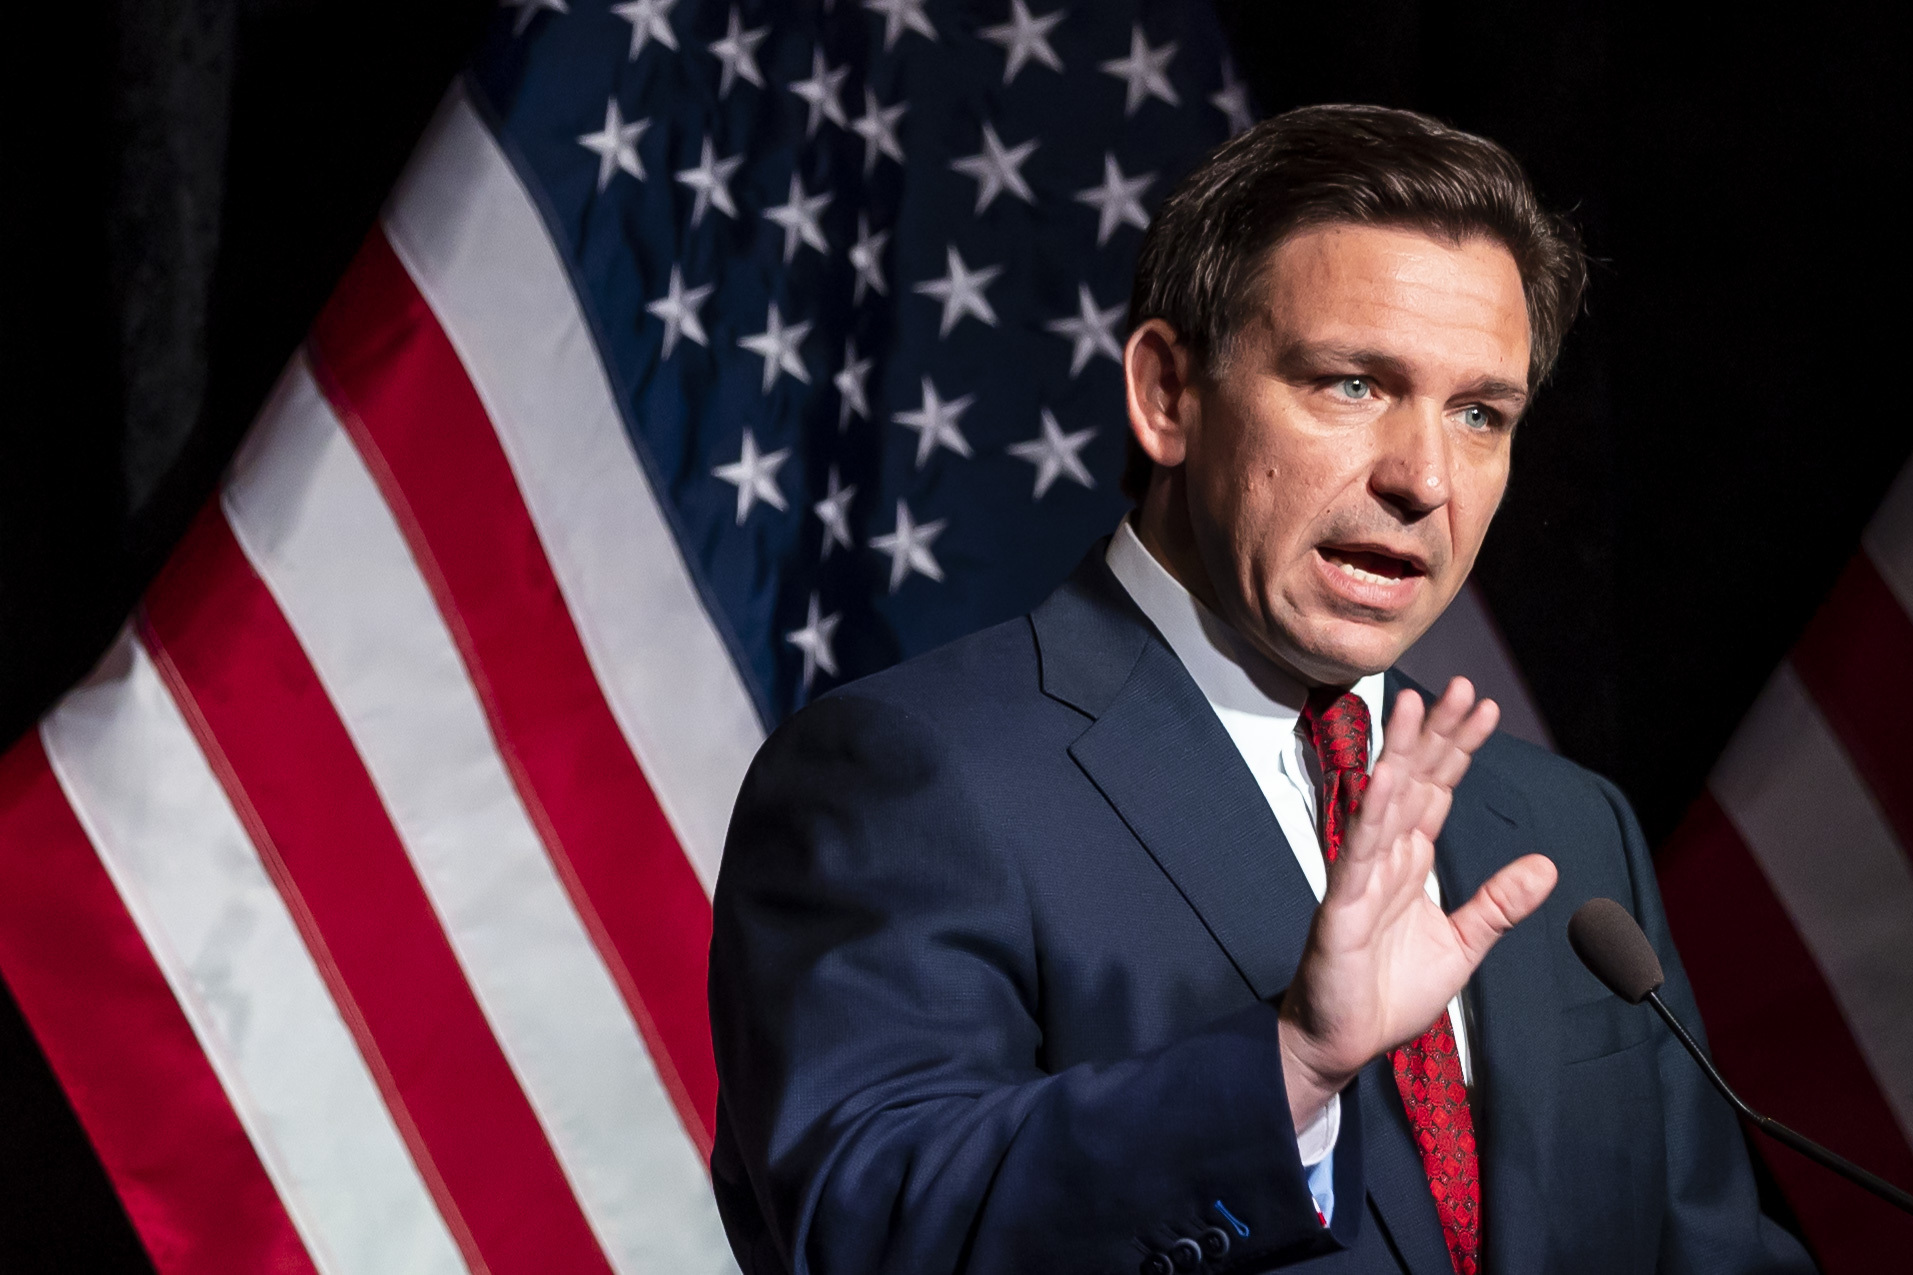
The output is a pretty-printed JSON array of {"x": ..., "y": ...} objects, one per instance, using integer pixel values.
[{"x": 1356, "y": 573}]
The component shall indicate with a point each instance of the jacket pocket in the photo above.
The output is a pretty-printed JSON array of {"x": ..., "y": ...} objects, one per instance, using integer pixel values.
[{"x": 1599, "y": 1028}]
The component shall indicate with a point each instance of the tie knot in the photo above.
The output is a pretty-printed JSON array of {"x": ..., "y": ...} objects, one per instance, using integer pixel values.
[{"x": 1338, "y": 725}]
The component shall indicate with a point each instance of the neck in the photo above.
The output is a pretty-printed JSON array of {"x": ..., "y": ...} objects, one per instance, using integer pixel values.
[{"x": 1162, "y": 524}]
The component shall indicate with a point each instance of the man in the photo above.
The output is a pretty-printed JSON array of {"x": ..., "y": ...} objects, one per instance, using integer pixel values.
[{"x": 1113, "y": 938}]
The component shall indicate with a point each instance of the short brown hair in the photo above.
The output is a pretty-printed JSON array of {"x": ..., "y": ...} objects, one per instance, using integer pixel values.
[{"x": 1362, "y": 165}]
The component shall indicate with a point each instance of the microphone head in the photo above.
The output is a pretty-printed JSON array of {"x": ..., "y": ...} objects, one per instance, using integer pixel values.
[{"x": 1609, "y": 942}]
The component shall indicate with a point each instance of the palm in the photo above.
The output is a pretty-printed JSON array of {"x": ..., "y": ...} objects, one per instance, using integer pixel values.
[{"x": 1382, "y": 957}]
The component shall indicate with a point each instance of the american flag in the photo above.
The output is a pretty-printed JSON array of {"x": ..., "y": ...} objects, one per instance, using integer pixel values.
[
  {"x": 708, "y": 355},
  {"x": 1790, "y": 891}
]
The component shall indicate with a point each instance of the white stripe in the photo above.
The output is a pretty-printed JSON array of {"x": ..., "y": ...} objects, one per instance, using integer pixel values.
[
  {"x": 1464, "y": 642},
  {"x": 474, "y": 243},
  {"x": 1889, "y": 538},
  {"x": 220, "y": 932},
  {"x": 1836, "y": 867},
  {"x": 314, "y": 525}
]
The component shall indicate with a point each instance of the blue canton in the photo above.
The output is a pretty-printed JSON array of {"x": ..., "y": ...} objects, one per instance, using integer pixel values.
[{"x": 858, "y": 275}]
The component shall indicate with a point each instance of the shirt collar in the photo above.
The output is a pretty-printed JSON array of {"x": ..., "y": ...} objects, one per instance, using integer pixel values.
[{"x": 1230, "y": 673}]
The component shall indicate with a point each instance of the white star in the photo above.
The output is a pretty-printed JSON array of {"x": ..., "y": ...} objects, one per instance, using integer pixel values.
[
  {"x": 529, "y": 9},
  {"x": 754, "y": 474},
  {"x": 1117, "y": 200},
  {"x": 834, "y": 512},
  {"x": 909, "y": 547},
  {"x": 814, "y": 641},
  {"x": 901, "y": 14},
  {"x": 1024, "y": 38},
  {"x": 867, "y": 256},
  {"x": 711, "y": 181},
  {"x": 799, "y": 219},
  {"x": 1092, "y": 329},
  {"x": 1145, "y": 72},
  {"x": 820, "y": 92},
  {"x": 738, "y": 52},
  {"x": 777, "y": 345},
  {"x": 878, "y": 128},
  {"x": 961, "y": 291},
  {"x": 1055, "y": 454},
  {"x": 649, "y": 21},
  {"x": 996, "y": 169},
  {"x": 1232, "y": 99},
  {"x": 936, "y": 423},
  {"x": 851, "y": 399},
  {"x": 678, "y": 308},
  {"x": 616, "y": 144}
]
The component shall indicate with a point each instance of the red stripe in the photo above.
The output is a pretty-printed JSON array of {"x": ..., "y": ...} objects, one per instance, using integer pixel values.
[
  {"x": 394, "y": 379},
  {"x": 1779, "y": 1037},
  {"x": 123, "y": 1050},
  {"x": 1856, "y": 659},
  {"x": 284, "y": 758}
]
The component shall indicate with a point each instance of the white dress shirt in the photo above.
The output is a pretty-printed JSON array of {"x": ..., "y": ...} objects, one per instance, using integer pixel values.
[{"x": 1260, "y": 706}]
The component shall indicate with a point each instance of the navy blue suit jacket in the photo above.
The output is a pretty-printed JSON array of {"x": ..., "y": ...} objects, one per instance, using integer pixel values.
[{"x": 999, "y": 937}]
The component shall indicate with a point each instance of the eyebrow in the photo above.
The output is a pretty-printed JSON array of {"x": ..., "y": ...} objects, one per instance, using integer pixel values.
[
  {"x": 1495, "y": 389},
  {"x": 1299, "y": 360}
]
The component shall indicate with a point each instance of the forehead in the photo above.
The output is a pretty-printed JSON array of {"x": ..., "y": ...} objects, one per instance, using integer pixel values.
[{"x": 1398, "y": 291}]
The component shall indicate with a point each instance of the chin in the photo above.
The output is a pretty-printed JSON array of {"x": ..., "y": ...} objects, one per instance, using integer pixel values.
[{"x": 1333, "y": 655}]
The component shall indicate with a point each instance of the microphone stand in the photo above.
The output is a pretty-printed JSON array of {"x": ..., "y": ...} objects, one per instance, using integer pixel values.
[{"x": 1780, "y": 1132}]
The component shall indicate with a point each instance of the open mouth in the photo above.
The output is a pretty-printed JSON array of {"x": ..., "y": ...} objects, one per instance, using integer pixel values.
[{"x": 1371, "y": 566}]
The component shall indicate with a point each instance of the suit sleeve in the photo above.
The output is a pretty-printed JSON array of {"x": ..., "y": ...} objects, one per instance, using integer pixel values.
[
  {"x": 1713, "y": 1221},
  {"x": 874, "y": 977}
]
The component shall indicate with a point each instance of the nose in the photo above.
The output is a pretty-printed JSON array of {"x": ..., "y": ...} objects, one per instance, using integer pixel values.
[{"x": 1411, "y": 468}]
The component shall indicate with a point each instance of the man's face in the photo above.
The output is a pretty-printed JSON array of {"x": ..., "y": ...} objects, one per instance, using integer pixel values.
[{"x": 1341, "y": 469}]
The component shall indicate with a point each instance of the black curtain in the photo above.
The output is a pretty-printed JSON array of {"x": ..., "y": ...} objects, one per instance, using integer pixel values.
[
  {"x": 1723, "y": 421},
  {"x": 188, "y": 178}
]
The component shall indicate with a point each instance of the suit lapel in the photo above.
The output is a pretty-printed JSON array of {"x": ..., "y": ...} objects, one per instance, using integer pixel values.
[{"x": 1160, "y": 757}]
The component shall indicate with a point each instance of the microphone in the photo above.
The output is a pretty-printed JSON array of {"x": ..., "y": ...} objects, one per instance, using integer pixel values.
[{"x": 1610, "y": 943}]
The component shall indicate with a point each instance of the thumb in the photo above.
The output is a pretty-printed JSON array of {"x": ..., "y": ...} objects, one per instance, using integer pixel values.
[{"x": 1504, "y": 900}]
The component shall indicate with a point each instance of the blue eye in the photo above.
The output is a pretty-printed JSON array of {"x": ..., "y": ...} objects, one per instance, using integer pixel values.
[
  {"x": 1475, "y": 416},
  {"x": 1355, "y": 387}
]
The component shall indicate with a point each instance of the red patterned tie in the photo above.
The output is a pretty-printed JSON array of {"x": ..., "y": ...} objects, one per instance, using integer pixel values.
[{"x": 1427, "y": 1069}]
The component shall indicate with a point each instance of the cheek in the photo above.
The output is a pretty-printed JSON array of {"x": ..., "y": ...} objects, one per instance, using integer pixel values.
[
  {"x": 1271, "y": 519},
  {"x": 1266, "y": 483},
  {"x": 1475, "y": 500},
  {"x": 1248, "y": 485}
]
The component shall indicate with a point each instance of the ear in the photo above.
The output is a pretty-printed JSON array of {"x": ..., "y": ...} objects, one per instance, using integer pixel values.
[{"x": 1158, "y": 371}]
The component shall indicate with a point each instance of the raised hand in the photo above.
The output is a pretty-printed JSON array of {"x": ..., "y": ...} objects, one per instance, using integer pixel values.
[{"x": 1382, "y": 958}]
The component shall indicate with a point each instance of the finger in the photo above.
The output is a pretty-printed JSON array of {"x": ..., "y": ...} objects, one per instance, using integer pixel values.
[
  {"x": 1402, "y": 882},
  {"x": 1453, "y": 716},
  {"x": 1369, "y": 861},
  {"x": 1469, "y": 737},
  {"x": 1404, "y": 725},
  {"x": 1382, "y": 889},
  {"x": 1477, "y": 726},
  {"x": 1380, "y": 816},
  {"x": 1435, "y": 813},
  {"x": 1451, "y": 713},
  {"x": 1505, "y": 900},
  {"x": 1453, "y": 706},
  {"x": 1401, "y": 864},
  {"x": 1415, "y": 807},
  {"x": 1422, "y": 756}
]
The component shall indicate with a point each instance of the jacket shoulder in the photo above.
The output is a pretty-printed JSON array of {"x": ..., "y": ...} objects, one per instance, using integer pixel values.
[
  {"x": 1559, "y": 793},
  {"x": 977, "y": 674}
]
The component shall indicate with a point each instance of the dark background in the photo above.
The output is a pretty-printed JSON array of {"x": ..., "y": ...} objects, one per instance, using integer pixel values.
[{"x": 188, "y": 178}]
